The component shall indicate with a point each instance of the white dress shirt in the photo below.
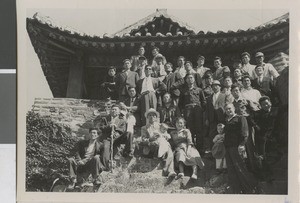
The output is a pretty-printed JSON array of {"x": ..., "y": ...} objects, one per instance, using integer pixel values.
[
  {"x": 250, "y": 69},
  {"x": 147, "y": 85},
  {"x": 181, "y": 71},
  {"x": 251, "y": 94},
  {"x": 215, "y": 97}
]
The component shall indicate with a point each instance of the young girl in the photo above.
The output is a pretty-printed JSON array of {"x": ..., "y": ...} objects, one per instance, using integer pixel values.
[{"x": 218, "y": 150}]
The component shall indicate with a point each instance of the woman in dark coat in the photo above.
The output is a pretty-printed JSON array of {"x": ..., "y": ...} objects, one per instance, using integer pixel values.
[{"x": 241, "y": 181}]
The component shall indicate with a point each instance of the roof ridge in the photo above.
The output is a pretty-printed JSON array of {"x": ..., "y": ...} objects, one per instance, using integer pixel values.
[{"x": 149, "y": 18}]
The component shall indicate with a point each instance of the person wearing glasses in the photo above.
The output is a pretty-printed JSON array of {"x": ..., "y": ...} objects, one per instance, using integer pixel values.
[{"x": 149, "y": 89}]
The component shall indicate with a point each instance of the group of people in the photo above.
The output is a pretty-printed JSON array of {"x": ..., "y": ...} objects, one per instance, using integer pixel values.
[{"x": 182, "y": 114}]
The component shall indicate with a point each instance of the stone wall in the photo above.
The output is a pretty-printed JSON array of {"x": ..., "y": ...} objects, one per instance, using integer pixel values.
[{"x": 78, "y": 114}]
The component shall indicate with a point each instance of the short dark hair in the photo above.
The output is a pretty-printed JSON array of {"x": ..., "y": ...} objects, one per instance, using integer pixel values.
[
  {"x": 188, "y": 74},
  {"x": 189, "y": 62},
  {"x": 169, "y": 64},
  {"x": 93, "y": 128},
  {"x": 111, "y": 67},
  {"x": 258, "y": 66},
  {"x": 200, "y": 56},
  {"x": 246, "y": 76},
  {"x": 148, "y": 66},
  {"x": 130, "y": 87},
  {"x": 235, "y": 86},
  {"x": 181, "y": 57},
  {"x": 264, "y": 98},
  {"x": 218, "y": 58},
  {"x": 227, "y": 76},
  {"x": 155, "y": 48},
  {"x": 115, "y": 105},
  {"x": 180, "y": 118}
]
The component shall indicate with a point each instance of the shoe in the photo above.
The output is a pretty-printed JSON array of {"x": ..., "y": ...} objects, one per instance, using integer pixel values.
[
  {"x": 180, "y": 175},
  {"x": 164, "y": 173},
  {"x": 97, "y": 182},
  {"x": 171, "y": 175},
  {"x": 194, "y": 177},
  {"x": 219, "y": 171},
  {"x": 73, "y": 184}
]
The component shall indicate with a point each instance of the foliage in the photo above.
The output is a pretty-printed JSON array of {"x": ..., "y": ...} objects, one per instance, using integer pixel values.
[{"x": 48, "y": 145}]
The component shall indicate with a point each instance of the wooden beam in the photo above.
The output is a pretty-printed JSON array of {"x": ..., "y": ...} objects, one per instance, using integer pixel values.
[{"x": 75, "y": 79}]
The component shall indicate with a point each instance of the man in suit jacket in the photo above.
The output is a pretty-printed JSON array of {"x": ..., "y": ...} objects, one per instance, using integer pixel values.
[
  {"x": 173, "y": 81},
  {"x": 113, "y": 125},
  {"x": 189, "y": 70},
  {"x": 214, "y": 113},
  {"x": 149, "y": 89},
  {"x": 125, "y": 79},
  {"x": 263, "y": 84},
  {"x": 132, "y": 104},
  {"x": 87, "y": 159}
]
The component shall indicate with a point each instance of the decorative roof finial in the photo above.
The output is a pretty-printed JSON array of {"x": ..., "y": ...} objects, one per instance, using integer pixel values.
[{"x": 162, "y": 11}]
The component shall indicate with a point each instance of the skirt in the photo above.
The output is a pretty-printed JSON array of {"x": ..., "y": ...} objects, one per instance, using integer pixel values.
[{"x": 190, "y": 157}]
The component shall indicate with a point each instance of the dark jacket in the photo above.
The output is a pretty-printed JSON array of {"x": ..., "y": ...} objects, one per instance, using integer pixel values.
[
  {"x": 265, "y": 87},
  {"x": 103, "y": 123},
  {"x": 82, "y": 145},
  {"x": 173, "y": 81},
  {"x": 236, "y": 131},
  {"x": 123, "y": 81}
]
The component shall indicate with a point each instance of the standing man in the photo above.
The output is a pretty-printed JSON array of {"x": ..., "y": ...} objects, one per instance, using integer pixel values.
[
  {"x": 249, "y": 93},
  {"x": 125, "y": 79},
  {"x": 247, "y": 68},
  {"x": 218, "y": 74},
  {"x": 214, "y": 113},
  {"x": 181, "y": 69},
  {"x": 135, "y": 59},
  {"x": 267, "y": 122},
  {"x": 141, "y": 67},
  {"x": 263, "y": 84},
  {"x": 150, "y": 89},
  {"x": 237, "y": 77},
  {"x": 155, "y": 52},
  {"x": 189, "y": 70},
  {"x": 200, "y": 68},
  {"x": 269, "y": 70},
  {"x": 173, "y": 82},
  {"x": 159, "y": 69},
  {"x": 193, "y": 102}
]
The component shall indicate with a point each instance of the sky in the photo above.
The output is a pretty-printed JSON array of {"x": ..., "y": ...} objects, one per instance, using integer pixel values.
[{"x": 101, "y": 21}]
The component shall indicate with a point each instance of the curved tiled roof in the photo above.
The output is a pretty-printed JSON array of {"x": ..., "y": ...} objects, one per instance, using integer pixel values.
[
  {"x": 128, "y": 31},
  {"x": 55, "y": 45}
]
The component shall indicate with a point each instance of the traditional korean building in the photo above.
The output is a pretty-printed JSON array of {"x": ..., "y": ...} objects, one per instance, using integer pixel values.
[{"x": 75, "y": 64}]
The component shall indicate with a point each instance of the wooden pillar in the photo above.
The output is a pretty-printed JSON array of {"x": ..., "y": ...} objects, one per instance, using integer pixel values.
[{"x": 75, "y": 79}]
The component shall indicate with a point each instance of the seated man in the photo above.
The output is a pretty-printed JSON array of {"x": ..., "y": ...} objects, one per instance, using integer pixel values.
[
  {"x": 152, "y": 143},
  {"x": 131, "y": 104},
  {"x": 112, "y": 126},
  {"x": 87, "y": 159}
]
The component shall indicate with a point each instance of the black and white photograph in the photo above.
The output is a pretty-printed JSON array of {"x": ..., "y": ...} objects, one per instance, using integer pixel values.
[{"x": 157, "y": 100}]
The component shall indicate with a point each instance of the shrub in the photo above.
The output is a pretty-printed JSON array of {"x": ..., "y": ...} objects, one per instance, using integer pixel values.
[{"x": 48, "y": 145}]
